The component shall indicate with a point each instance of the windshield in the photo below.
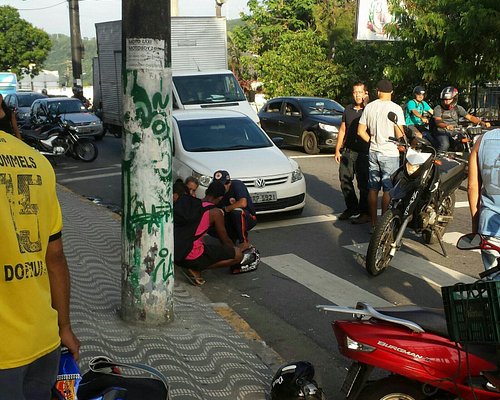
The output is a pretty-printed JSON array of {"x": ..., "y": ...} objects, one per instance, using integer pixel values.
[
  {"x": 219, "y": 134},
  {"x": 203, "y": 89},
  {"x": 66, "y": 107},
  {"x": 26, "y": 100},
  {"x": 322, "y": 107}
]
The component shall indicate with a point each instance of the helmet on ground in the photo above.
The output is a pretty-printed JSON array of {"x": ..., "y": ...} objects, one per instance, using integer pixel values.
[
  {"x": 449, "y": 93},
  {"x": 295, "y": 381},
  {"x": 418, "y": 90}
]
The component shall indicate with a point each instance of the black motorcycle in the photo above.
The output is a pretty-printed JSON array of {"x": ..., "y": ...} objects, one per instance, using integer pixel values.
[
  {"x": 59, "y": 138},
  {"x": 422, "y": 198}
]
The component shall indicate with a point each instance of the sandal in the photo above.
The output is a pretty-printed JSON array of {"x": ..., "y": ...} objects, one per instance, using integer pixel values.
[{"x": 193, "y": 280}]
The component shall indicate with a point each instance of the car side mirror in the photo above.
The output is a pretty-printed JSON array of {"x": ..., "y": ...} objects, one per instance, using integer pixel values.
[{"x": 278, "y": 141}]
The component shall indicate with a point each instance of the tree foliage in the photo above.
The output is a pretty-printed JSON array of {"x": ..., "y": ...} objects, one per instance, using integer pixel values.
[
  {"x": 449, "y": 41},
  {"x": 442, "y": 42},
  {"x": 59, "y": 59},
  {"x": 23, "y": 48},
  {"x": 298, "y": 66}
]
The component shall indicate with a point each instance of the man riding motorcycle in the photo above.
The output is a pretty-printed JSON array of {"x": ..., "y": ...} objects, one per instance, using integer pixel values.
[{"x": 446, "y": 118}]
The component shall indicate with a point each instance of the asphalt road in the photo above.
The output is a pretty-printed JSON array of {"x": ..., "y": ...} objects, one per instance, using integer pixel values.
[{"x": 307, "y": 260}]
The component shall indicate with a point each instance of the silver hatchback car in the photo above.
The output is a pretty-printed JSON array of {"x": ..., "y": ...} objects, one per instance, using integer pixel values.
[{"x": 68, "y": 109}]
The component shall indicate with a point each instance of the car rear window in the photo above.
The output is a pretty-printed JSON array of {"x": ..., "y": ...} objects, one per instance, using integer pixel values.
[
  {"x": 28, "y": 99},
  {"x": 66, "y": 107},
  {"x": 219, "y": 134}
]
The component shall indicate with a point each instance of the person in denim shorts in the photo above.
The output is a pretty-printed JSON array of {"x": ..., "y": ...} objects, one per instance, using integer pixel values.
[{"x": 383, "y": 159}]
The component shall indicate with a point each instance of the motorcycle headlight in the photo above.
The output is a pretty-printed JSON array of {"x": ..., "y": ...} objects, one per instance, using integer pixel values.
[
  {"x": 412, "y": 168},
  {"x": 204, "y": 180},
  {"x": 328, "y": 128},
  {"x": 297, "y": 175}
]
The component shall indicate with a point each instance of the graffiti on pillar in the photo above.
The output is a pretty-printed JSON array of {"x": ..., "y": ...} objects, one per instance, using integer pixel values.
[{"x": 147, "y": 184}]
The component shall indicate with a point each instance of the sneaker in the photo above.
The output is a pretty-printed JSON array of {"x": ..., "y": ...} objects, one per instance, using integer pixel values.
[
  {"x": 362, "y": 219},
  {"x": 347, "y": 214}
]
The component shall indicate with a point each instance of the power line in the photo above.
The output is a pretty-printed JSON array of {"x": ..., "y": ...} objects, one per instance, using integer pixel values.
[{"x": 42, "y": 8}]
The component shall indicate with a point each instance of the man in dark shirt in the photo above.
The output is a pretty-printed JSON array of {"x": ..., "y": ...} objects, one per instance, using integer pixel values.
[
  {"x": 238, "y": 207},
  {"x": 352, "y": 155}
]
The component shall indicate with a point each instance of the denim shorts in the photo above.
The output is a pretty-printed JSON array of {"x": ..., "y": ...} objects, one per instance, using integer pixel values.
[
  {"x": 380, "y": 170},
  {"x": 31, "y": 382}
]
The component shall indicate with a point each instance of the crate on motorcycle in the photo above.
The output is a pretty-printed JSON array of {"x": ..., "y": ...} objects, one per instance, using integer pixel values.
[{"x": 473, "y": 311}]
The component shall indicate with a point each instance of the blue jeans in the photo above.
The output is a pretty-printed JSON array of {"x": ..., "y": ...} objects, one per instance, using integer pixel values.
[
  {"x": 491, "y": 257},
  {"x": 380, "y": 170},
  {"x": 31, "y": 382}
]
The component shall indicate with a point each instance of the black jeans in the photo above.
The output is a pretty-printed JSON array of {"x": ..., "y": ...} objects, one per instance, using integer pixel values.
[
  {"x": 354, "y": 164},
  {"x": 238, "y": 223}
]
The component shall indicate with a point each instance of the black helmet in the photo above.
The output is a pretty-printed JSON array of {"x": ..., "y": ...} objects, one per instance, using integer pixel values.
[
  {"x": 295, "y": 381},
  {"x": 418, "y": 90},
  {"x": 449, "y": 93}
]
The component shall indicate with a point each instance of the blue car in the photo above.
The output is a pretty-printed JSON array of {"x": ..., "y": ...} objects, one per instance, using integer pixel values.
[{"x": 309, "y": 122}]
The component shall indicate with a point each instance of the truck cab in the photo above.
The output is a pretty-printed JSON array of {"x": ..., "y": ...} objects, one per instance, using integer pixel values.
[{"x": 210, "y": 89}]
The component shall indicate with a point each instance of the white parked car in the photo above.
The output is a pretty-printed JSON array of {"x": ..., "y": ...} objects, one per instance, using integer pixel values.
[{"x": 208, "y": 140}]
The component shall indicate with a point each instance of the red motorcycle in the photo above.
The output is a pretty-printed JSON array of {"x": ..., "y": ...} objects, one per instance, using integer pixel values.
[{"x": 413, "y": 344}]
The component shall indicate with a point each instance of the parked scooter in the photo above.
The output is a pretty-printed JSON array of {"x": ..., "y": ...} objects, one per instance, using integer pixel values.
[
  {"x": 412, "y": 344},
  {"x": 60, "y": 139},
  {"x": 423, "y": 198}
]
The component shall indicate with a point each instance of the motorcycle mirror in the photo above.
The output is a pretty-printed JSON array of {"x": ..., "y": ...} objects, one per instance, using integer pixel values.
[
  {"x": 470, "y": 241},
  {"x": 392, "y": 117}
]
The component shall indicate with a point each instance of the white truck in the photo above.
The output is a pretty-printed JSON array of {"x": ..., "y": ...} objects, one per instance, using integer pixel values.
[{"x": 200, "y": 74}]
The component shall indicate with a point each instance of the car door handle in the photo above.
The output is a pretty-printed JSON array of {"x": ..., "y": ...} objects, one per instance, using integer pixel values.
[{"x": 280, "y": 122}]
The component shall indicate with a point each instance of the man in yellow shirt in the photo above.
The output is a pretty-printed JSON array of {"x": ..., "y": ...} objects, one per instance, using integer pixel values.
[{"x": 34, "y": 276}]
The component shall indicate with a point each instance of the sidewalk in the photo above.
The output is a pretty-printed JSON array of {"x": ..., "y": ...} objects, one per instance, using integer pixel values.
[{"x": 200, "y": 353}]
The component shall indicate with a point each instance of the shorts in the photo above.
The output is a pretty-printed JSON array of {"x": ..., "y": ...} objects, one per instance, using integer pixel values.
[
  {"x": 31, "y": 382},
  {"x": 380, "y": 170},
  {"x": 212, "y": 253}
]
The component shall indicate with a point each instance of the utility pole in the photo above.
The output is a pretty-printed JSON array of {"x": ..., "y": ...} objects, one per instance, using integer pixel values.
[
  {"x": 147, "y": 221},
  {"x": 218, "y": 7},
  {"x": 76, "y": 41}
]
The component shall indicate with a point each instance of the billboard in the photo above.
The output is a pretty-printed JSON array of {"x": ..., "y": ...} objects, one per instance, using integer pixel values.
[{"x": 371, "y": 18}]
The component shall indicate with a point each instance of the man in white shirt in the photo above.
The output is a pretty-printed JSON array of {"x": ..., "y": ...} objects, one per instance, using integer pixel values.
[{"x": 376, "y": 128}]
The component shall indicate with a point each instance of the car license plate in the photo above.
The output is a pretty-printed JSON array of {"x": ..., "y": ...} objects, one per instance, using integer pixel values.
[{"x": 264, "y": 197}]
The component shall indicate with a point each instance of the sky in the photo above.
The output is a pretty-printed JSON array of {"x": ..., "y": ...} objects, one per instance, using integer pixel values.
[{"x": 53, "y": 15}]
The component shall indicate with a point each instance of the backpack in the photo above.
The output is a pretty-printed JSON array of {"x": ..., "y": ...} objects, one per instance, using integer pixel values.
[
  {"x": 118, "y": 380},
  {"x": 188, "y": 211}
]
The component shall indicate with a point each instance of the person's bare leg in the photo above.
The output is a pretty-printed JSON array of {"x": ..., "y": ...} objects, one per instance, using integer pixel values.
[
  {"x": 372, "y": 205},
  {"x": 238, "y": 256},
  {"x": 386, "y": 200}
]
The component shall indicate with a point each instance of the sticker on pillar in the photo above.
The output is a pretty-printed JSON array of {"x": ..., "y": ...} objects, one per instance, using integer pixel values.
[{"x": 145, "y": 54}]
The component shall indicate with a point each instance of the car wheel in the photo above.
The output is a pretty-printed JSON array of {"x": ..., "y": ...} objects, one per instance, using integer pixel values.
[{"x": 310, "y": 143}]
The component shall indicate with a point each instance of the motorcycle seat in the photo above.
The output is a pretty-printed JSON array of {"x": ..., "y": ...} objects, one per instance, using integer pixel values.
[
  {"x": 432, "y": 320},
  {"x": 35, "y": 134}
]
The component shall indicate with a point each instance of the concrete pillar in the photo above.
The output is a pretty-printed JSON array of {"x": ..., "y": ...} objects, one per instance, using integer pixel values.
[{"x": 147, "y": 221}]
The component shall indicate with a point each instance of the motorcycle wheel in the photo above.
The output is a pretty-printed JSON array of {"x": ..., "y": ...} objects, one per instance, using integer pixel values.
[
  {"x": 85, "y": 150},
  {"x": 393, "y": 388},
  {"x": 378, "y": 254},
  {"x": 446, "y": 208}
]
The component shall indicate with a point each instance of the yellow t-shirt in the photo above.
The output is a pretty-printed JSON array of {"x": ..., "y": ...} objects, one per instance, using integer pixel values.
[{"x": 29, "y": 215}]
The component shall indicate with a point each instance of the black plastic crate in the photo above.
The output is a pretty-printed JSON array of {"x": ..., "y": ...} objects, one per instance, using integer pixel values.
[{"x": 473, "y": 311}]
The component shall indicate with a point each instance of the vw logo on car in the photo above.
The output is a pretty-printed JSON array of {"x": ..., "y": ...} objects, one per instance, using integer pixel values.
[{"x": 260, "y": 183}]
